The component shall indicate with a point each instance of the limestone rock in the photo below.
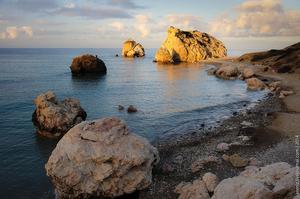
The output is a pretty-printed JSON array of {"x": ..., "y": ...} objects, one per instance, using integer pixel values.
[
  {"x": 132, "y": 49},
  {"x": 240, "y": 187},
  {"x": 226, "y": 72},
  {"x": 195, "y": 190},
  {"x": 237, "y": 161},
  {"x": 223, "y": 147},
  {"x": 54, "y": 118},
  {"x": 211, "y": 181},
  {"x": 87, "y": 64},
  {"x": 101, "y": 158},
  {"x": 131, "y": 109},
  {"x": 189, "y": 46},
  {"x": 255, "y": 84},
  {"x": 247, "y": 73}
]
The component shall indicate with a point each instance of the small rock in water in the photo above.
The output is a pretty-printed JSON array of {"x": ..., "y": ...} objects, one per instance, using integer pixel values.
[
  {"x": 202, "y": 125},
  {"x": 116, "y": 55},
  {"x": 131, "y": 109},
  {"x": 120, "y": 107},
  {"x": 234, "y": 113}
]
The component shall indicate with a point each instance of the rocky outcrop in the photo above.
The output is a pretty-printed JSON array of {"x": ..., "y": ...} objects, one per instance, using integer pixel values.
[
  {"x": 227, "y": 72},
  {"x": 132, "y": 49},
  {"x": 53, "y": 118},
  {"x": 284, "y": 60},
  {"x": 189, "y": 46},
  {"x": 272, "y": 181},
  {"x": 255, "y": 84},
  {"x": 87, "y": 64},
  {"x": 101, "y": 158}
]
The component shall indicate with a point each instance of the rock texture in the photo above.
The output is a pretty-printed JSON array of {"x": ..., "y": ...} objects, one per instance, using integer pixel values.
[
  {"x": 255, "y": 84},
  {"x": 101, "y": 158},
  {"x": 195, "y": 190},
  {"x": 284, "y": 60},
  {"x": 189, "y": 46},
  {"x": 227, "y": 72},
  {"x": 270, "y": 182},
  {"x": 87, "y": 64},
  {"x": 54, "y": 118},
  {"x": 132, "y": 49},
  {"x": 211, "y": 181}
]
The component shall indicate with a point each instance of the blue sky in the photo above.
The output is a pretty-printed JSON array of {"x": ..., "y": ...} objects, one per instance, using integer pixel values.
[{"x": 251, "y": 24}]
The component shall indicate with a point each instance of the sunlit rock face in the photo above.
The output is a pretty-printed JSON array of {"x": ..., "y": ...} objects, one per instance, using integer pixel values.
[
  {"x": 101, "y": 158},
  {"x": 189, "y": 46},
  {"x": 87, "y": 64},
  {"x": 53, "y": 118},
  {"x": 132, "y": 49}
]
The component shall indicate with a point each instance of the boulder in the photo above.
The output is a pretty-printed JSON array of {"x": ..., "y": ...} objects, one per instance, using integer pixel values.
[
  {"x": 240, "y": 187},
  {"x": 131, "y": 109},
  {"x": 101, "y": 158},
  {"x": 237, "y": 161},
  {"x": 53, "y": 118},
  {"x": 87, "y": 64},
  {"x": 247, "y": 73},
  {"x": 132, "y": 49},
  {"x": 211, "y": 181},
  {"x": 255, "y": 84},
  {"x": 223, "y": 147},
  {"x": 189, "y": 46},
  {"x": 195, "y": 190},
  {"x": 227, "y": 72},
  {"x": 282, "y": 61}
]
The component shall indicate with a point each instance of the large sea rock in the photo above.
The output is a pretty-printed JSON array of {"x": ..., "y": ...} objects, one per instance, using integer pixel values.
[
  {"x": 132, "y": 49},
  {"x": 53, "y": 118},
  {"x": 101, "y": 158},
  {"x": 189, "y": 46},
  {"x": 284, "y": 60},
  {"x": 87, "y": 64}
]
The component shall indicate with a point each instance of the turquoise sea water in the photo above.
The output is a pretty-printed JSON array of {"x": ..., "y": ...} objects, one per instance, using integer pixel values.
[{"x": 170, "y": 99}]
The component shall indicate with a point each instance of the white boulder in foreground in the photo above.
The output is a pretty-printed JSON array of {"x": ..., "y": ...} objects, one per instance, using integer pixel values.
[{"x": 101, "y": 158}]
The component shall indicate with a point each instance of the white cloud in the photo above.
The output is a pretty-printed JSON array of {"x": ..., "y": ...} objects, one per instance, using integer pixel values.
[
  {"x": 142, "y": 25},
  {"x": 117, "y": 25},
  {"x": 12, "y": 32},
  {"x": 259, "y": 18},
  {"x": 70, "y": 5}
]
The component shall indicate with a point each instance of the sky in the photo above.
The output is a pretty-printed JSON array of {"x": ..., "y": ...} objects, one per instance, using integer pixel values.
[{"x": 240, "y": 24}]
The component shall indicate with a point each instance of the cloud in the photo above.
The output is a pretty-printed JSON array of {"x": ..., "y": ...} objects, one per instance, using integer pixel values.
[
  {"x": 12, "y": 32},
  {"x": 92, "y": 12},
  {"x": 259, "y": 18},
  {"x": 125, "y": 4},
  {"x": 142, "y": 25},
  {"x": 117, "y": 25},
  {"x": 186, "y": 21},
  {"x": 30, "y": 5}
]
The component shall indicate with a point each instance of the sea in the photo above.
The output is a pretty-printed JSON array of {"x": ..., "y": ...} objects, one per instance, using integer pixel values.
[{"x": 171, "y": 99}]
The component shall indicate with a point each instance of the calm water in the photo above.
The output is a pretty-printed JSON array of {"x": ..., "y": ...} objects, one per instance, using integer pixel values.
[{"x": 170, "y": 99}]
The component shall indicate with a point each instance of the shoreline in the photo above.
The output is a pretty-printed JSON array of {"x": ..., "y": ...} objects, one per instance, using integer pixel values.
[{"x": 271, "y": 143}]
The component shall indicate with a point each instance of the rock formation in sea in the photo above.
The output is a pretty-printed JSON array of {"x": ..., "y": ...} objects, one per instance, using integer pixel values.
[
  {"x": 132, "y": 49},
  {"x": 189, "y": 46},
  {"x": 53, "y": 118},
  {"x": 87, "y": 64},
  {"x": 101, "y": 158},
  {"x": 284, "y": 60}
]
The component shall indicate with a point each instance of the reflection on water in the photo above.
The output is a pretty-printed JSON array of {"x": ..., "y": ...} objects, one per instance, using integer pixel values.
[{"x": 171, "y": 99}]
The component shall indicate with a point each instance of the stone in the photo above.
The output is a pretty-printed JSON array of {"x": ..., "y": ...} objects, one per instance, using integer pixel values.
[
  {"x": 281, "y": 61},
  {"x": 189, "y": 46},
  {"x": 195, "y": 190},
  {"x": 237, "y": 161},
  {"x": 226, "y": 72},
  {"x": 255, "y": 84},
  {"x": 53, "y": 118},
  {"x": 199, "y": 164},
  {"x": 120, "y": 108},
  {"x": 87, "y": 64},
  {"x": 221, "y": 147},
  {"x": 240, "y": 187},
  {"x": 211, "y": 181},
  {"x": 132, "y": 49},
  {"x": 225, "y": 157},
  {"x": 286, "y": 93},
  {"x": 247, "y": 124},
  {"x": 131, "y": 109},
  {"x": 275, "y": 85},
  {"x": 101, "y": 158},
  {"x": 247, "y": 73}
]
